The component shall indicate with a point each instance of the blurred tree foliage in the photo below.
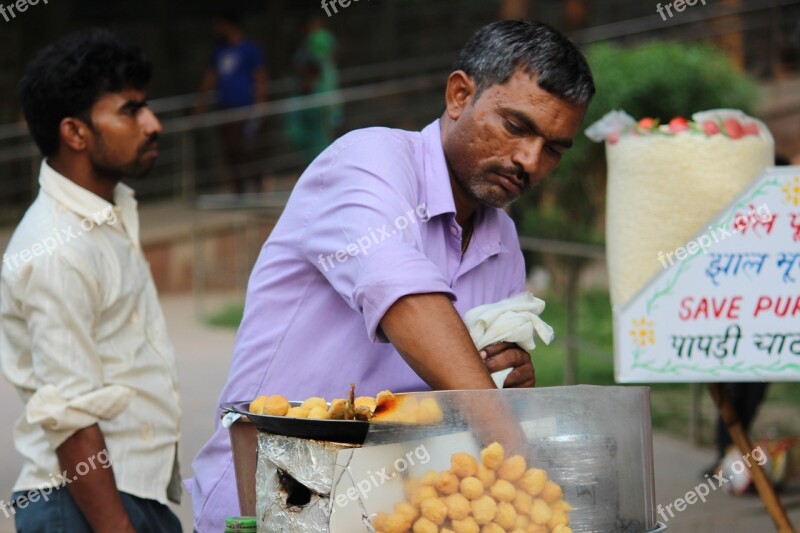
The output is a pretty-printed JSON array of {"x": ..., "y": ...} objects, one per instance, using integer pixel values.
[{"x": 660, "y": 80}]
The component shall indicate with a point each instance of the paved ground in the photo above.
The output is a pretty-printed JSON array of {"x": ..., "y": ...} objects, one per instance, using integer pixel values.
[{"x": 204, "y": 354}]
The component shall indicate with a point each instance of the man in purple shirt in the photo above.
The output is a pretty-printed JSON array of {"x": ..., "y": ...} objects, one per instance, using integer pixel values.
[{"x": 390, "y": 236}]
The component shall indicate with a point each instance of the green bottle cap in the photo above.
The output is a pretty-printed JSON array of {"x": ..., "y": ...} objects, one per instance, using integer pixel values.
[{"x": 245, "y": 524}]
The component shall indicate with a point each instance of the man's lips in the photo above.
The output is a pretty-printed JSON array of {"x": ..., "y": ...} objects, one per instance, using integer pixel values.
[
  {"x": 151, "y": 150},
  {"x": 510, "y": 183}
]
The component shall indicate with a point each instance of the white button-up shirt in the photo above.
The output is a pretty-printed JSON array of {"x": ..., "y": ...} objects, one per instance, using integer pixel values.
[{"x": 84, "y": 341}]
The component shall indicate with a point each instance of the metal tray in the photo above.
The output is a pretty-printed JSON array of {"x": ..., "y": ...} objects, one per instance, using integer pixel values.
[{"x": 346, "y": 431}]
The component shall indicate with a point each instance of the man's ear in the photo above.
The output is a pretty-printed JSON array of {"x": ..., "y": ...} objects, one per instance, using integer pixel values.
[
  {"x": 459, "y": 94},
  {"x": 74, "y": 132}
]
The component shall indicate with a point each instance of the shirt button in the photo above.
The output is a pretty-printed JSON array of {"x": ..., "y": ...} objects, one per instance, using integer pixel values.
[{"x": 454, "y": 230}]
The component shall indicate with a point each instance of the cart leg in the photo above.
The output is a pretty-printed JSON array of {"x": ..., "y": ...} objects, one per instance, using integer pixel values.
[{"x": 765, "y": 489}]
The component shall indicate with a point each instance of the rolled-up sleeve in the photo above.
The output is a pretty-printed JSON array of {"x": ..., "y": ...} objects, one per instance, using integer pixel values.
[
  {"x": 365, "y": 233},
  {"x": 60, "y": 304}
]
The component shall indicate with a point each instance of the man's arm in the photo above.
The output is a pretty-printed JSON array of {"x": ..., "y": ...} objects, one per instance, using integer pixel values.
[
  {"x": 95, "y": 492},
  {"x": 208, "y": 83},
  {"x": 260, "y": 78},
  {"x": 430, "y": 335}
]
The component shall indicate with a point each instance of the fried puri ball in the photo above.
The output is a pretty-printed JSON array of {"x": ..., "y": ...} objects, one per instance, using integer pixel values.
[
  {"x": 448, "y": 530},
  {"x": 503, "y": 491},
  {"x": 422, "y": 493},
  {"x": 366, "y": 401},
  {"x": 429, "y": 411},
  {"x": 463, "y": 464},
  {"x": 434, "y": 509},
  {"x": 561, "y": 505},
  {"x": 492, "y": 456},
  {"x": 533, "y": 481},
  {"x": 318, "y": 412},
  {"x": 551, "y": 492},
  {"x": 522, "y": 521},
  {"x": 315, "y": 401},
  {"x": 257, "y": 405},
  {"x": 468, "y": 525},
  {"x": 446, "y": 483},
  {"x": 423, "y": 525},
  {"x": 486, "y": 475},
  {"x": 540, "y": 512},
  {"x": 559, "y": 518},
  {"x": 471, "y": 487},
  {"x": 398, "y": 523},
  {"x": 275, "y": 405},
  {"x": 406, "y": 509},
  {"x": 512, "y": 468},
  {"x": 537, "y": 528},
  {"x": 298, "y": 412},
  {"x": 506, "y": 516},
  {"x": 491, "y": 527},
  {"x": 562, "y": 529},
  {"x": 522, "y": 502},
  {"x": 379, "y": 522},
  {"x": 457, "y": 506},
  {"x": 484, "y": 509},
  {"x": 429, "y": 478}
]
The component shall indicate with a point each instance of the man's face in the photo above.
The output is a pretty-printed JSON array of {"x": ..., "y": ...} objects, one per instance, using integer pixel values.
[
  {"x": 507, "y": 140},
  {"x": 124, "y": 135}
]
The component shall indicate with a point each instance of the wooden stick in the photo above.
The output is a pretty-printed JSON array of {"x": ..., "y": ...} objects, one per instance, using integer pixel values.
[{"x": 765, "y": 489}]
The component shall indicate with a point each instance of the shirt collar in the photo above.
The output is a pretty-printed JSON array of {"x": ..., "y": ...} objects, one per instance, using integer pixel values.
[
  {"x": 439, "y": 193},
  {"x": 88, "y": 205}
]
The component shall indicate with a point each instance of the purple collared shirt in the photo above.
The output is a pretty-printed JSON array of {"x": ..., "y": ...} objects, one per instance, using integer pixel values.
[{"x": 372, "y": 219}]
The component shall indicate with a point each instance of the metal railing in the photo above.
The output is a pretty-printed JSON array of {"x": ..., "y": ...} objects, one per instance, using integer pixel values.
[{"x": 403, "y": 93}]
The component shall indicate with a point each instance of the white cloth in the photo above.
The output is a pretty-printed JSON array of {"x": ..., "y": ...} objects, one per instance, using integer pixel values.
[
  {"x": 84, "y": 341},
  {"x": 514, "y": 320}
]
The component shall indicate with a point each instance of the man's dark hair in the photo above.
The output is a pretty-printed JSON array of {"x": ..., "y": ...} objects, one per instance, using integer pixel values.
[
  {"x": 231, "y": 16},
  {"x": 67, "y": 77},
  {"x": 498, "y": 49}
]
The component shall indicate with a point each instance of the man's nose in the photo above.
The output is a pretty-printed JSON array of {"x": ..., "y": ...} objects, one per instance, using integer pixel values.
[
  {"x": 151, "y": 123},
  {"x": 529, "y": 155}
]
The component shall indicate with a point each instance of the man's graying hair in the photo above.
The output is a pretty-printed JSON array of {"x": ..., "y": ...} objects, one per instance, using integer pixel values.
[{"x": 498, "y": 49}]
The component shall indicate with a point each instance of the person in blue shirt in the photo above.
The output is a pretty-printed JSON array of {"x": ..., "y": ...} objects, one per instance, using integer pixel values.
[{"x": 238, "y": 73}]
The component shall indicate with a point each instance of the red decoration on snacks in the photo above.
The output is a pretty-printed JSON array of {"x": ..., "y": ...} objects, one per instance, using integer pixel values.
[
  {"x": 733, "y": 128},
  {"x": 648, "y": 123},
  {"x": 678, "y": 124},
  {"x": 710, "y": 128},
  {"x": 751, "y": 128}
]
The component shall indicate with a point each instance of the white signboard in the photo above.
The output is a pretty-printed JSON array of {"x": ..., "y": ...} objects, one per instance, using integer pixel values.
[{"x": 726, "y": 307}]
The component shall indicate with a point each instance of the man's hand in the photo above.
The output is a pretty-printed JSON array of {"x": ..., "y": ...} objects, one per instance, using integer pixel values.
[
  {"x": 95, "y": 492},
  {"x": 508, "y": 355}
]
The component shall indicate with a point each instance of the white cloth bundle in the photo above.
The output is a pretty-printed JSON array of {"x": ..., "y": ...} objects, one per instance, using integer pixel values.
[{"x": 514, "y": 320}]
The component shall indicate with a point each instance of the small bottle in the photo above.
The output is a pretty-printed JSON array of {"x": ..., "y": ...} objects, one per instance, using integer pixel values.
[{"x": 240, "y": 524}]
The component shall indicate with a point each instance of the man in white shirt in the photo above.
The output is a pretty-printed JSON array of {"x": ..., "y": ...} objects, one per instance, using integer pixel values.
[{"x": 82, "y": 335}]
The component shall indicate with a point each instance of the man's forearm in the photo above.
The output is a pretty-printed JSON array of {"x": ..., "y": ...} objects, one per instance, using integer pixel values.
[
  {"x": 430, "y": 335},
  {"x": 95, "y": 492}
]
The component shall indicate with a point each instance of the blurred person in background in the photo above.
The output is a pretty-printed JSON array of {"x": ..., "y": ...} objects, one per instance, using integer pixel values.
[
  {"x": 311, "y": 130},
  {"x": 82, "y": 335},
  {"x": 238, "y": 73}
]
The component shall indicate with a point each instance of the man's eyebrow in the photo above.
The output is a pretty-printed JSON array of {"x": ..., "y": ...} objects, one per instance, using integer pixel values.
[
  {"x": 133, "y": 105},
  {"x": 529, "y": 124}
]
